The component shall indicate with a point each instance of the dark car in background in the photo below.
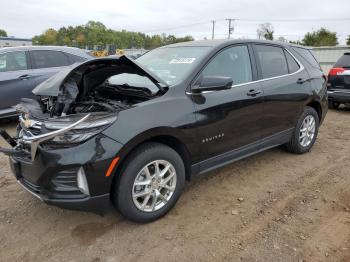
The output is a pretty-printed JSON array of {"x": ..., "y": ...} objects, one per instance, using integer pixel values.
[
  {"x": 339, "y": 82},
  {"x": 23, "y": 68},
  {"x": 132, "y": 131}
]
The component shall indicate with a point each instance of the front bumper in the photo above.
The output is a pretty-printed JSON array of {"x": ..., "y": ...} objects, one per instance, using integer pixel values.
[{"x": 52, "y": 176}]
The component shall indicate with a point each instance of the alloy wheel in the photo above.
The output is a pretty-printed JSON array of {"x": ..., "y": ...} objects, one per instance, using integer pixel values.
[
  {"x": 307, "y": 131},
  {"x": 154, "y": 185}
]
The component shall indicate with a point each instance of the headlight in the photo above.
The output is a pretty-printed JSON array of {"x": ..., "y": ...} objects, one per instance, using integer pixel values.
[{"x": 79, "y": 133}]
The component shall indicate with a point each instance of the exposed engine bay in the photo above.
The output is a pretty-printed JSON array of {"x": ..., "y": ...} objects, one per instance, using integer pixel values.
[
  {"x": 81, "y": 101},
  {"x": 101, "y": 85},
  {"x": 102, "y": 99}
]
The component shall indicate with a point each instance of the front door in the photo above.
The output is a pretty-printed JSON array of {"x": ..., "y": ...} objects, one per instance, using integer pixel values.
[
  {"x": 15, "y": 78},
  {"x": 231, "y": 119}
]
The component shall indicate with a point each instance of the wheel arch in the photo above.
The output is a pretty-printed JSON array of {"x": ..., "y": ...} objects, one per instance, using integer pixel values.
[
  {"x": 166, "y": 136},
  {"x": 317, "y": 106}
]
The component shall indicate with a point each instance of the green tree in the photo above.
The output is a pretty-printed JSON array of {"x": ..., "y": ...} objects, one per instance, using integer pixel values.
[
  {"x": 348, "y": 40},
  {"x": 265, "y": 31},
  {"x": 322, "y": 37},
  {"x": 3, "y": 33},
  {"x": 298, "y": 42},
  {"x": 50, "y": 37},
  {"x": 95, "y": 34}
]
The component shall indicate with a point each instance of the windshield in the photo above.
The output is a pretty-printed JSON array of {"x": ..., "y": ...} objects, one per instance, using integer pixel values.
[
  {"x": 133, "y": 80},
  {"x": 172, "y": 64}
]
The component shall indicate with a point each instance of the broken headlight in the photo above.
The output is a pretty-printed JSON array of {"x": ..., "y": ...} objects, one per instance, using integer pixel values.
[{"x": 79, "y": 133}]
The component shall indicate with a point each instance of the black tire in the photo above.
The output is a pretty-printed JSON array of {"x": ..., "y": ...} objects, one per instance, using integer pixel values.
[
  {"x": 294, "y": 145},
  {"x": 333, "y": 104},
  {"x": 145, "y": 154}
]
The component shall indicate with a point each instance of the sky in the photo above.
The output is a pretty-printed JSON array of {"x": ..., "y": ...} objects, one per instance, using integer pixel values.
[{"x": 290, "y": 19}]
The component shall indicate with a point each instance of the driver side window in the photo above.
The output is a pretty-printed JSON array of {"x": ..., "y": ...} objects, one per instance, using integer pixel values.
[{"x": 232, "y": 62}]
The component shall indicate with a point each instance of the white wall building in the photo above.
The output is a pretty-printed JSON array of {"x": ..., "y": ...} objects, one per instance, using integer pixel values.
[
  {"x": 12, "y": 41},
  {"x": 327, "y": 56}
]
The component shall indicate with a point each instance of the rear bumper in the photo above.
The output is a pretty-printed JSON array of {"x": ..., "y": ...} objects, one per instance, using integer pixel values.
[
  {"x": 52, "y": 176},
  {"x": 339, "y": 96}
]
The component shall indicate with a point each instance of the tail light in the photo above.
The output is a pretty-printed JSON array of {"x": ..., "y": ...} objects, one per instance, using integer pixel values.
[{"x": 336, "y": 71}]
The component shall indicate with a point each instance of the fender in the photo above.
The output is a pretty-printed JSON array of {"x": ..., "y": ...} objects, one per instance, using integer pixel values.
[{"x": 149, "y": 135}]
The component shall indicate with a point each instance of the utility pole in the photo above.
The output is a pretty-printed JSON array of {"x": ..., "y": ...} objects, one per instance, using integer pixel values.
[
  {"x": 230, "y": 28},
  {"x": 212, "y": 33}
]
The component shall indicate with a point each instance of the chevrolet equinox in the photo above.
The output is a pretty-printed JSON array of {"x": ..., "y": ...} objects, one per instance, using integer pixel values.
[{"x": 131, "y": 132}]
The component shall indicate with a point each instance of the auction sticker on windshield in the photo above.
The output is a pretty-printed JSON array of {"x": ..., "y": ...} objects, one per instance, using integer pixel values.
[{"x": 183, "y": 60}]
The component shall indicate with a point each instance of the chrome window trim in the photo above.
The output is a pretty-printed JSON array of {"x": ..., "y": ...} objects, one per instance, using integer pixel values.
[{"x": 301, "y": 68}]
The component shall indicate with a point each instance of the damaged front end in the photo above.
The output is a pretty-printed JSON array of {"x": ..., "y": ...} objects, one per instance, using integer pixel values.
[{"x": 78, "y": 103}]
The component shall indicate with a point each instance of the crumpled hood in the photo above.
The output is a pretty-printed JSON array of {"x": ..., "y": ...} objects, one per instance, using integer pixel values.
[{"x": 52, "y": 86}]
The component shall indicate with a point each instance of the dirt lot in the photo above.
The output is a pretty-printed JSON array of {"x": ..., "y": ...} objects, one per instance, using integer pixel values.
[{"x": 271, "y": 207}]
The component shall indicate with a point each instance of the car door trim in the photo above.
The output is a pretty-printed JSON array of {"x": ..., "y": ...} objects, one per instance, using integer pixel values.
[{"x": 242, "y": 152}]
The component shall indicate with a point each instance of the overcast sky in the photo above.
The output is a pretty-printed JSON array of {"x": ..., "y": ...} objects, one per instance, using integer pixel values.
[{"x": 291, "y": 19}]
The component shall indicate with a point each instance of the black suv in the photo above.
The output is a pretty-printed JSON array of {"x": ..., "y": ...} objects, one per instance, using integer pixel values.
[
  {"x": 339, "y": 82},
  {"x": 131, "y": 132}
]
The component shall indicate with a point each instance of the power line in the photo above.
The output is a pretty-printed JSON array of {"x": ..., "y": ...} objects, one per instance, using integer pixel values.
[
  {"x": 177, "y": 27},
  {"x": 292, "y": 20},
  {"x": 251, "y": 20}
]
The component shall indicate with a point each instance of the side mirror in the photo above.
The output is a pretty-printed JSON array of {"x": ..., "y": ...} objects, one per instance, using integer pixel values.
[{"x": 212, "y": 83}]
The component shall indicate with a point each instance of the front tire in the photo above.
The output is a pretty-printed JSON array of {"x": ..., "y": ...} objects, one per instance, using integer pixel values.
[
  {"x": 305, "y": 132},
  {"x": 151, "y": 182}
]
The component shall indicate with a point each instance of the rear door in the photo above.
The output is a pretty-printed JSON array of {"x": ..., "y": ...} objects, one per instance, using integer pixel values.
[
  {"x": 16, "y": 79},
  {"x": 286, "y": 87},
  {"x": 229, "y": 119}
]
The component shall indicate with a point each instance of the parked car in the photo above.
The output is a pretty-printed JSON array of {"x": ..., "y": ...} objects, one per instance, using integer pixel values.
[
  {"x": 339, "y": 82},
  {"x": 132, "y": 131},
  {"x": 23, "y": 68}
]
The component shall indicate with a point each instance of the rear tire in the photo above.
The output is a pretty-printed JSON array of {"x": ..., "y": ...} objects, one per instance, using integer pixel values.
[
  {"x": 142, "y": 193},
  {"x": 333, "y": 105},
  {"x": 305, "y": 132}
]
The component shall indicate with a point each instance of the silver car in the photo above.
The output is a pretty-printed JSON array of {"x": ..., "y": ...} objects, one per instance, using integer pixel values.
[{"x": 23, "y": 68}]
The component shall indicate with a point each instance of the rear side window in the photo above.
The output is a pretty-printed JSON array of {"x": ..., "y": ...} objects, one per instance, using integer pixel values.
[
  {"x": 232, "y": 62},
  {"x": 13, "y": 61},
  {"x": 308, "y": 56},
  {"x": 48, "y": 58},
  {"x": 344, "y": 61},
  {"x": 293, "y": 66},
  {"x": 272, "y": 60},
  {"x": 75, "y": 59}
]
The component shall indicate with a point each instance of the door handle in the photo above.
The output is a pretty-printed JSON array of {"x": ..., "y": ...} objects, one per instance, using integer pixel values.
[
  {"x": 302, "y": 80},
  {"x": 24, "y": 77},
  {"x": 253, "y": 92}
]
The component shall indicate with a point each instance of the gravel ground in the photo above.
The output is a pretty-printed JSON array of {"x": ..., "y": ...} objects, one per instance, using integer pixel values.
[{"x": 274, "y": 206}]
